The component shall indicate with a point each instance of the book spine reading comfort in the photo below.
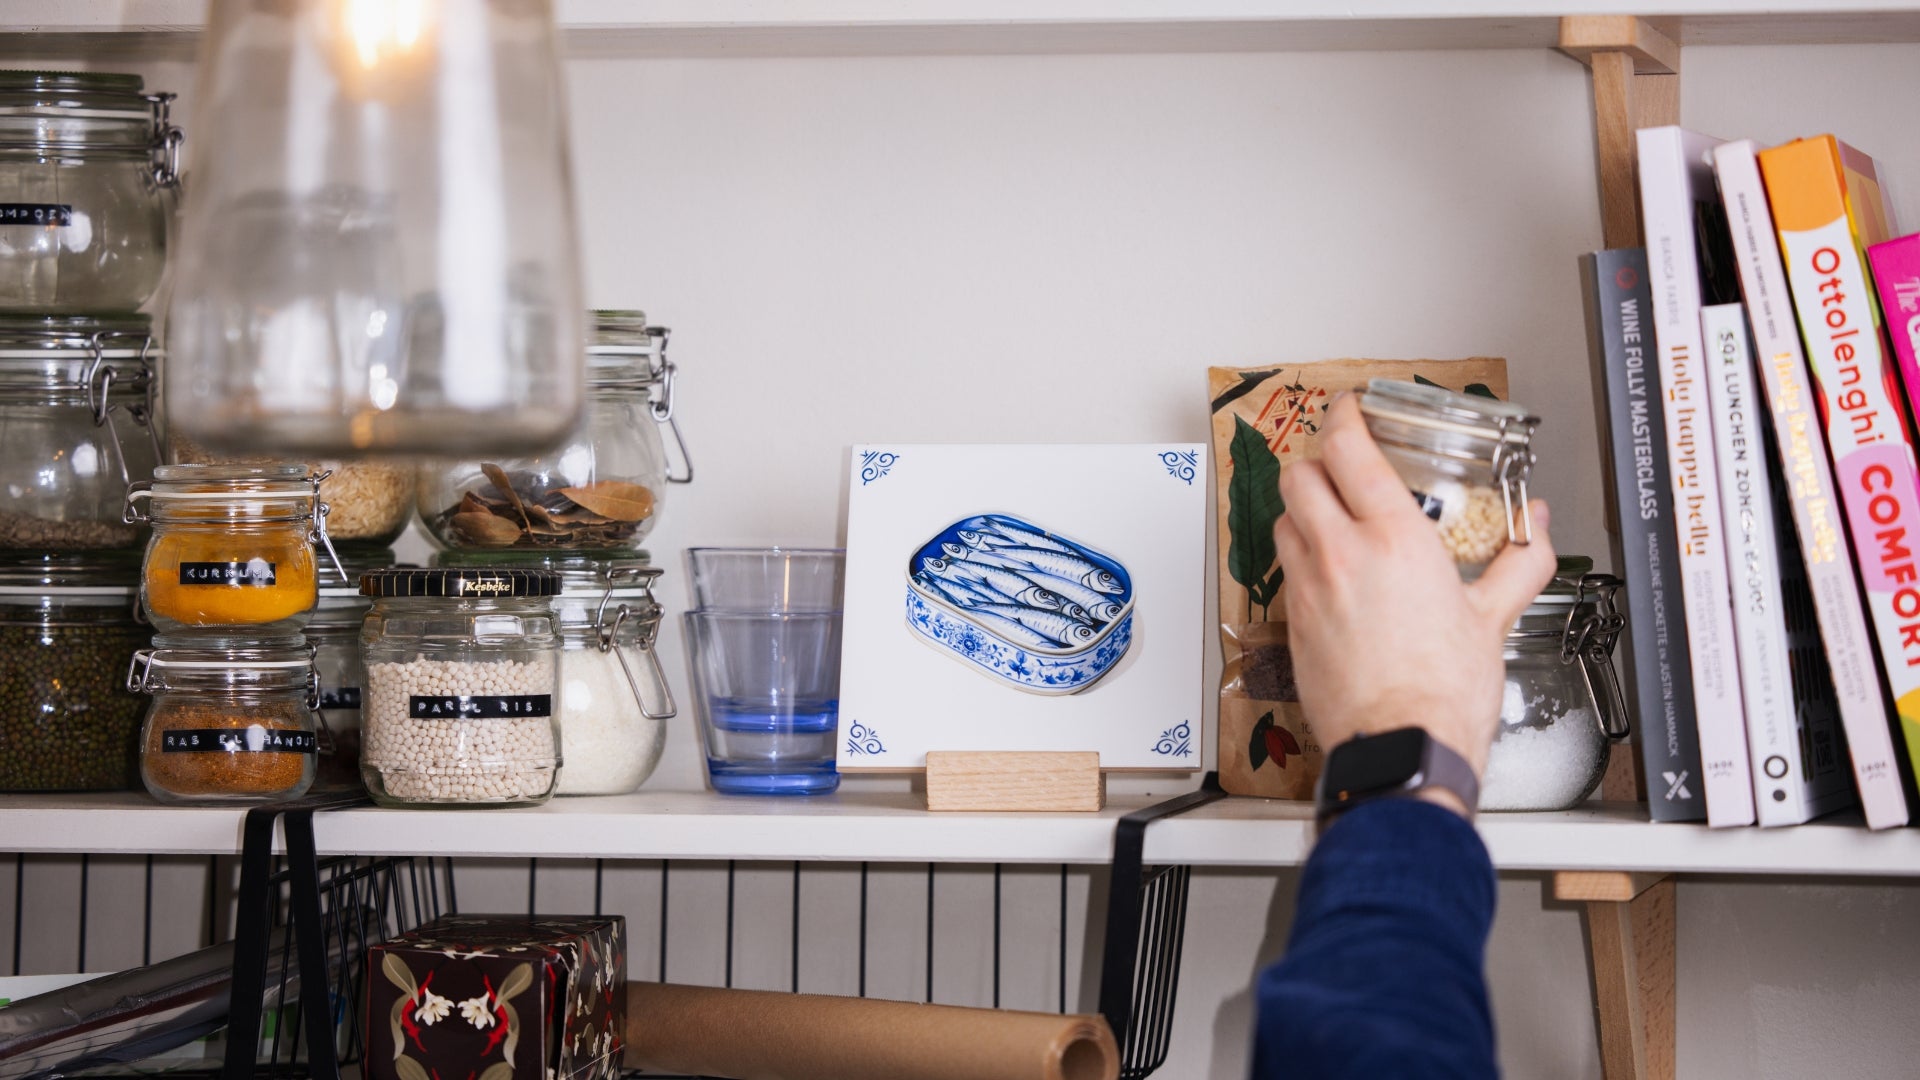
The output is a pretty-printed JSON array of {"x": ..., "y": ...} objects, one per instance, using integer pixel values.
[
  {"x": 1787, "y": 704},
  {"x": 1640, "y": 506},
  {"x": 1676, "y": 192},
  {"x": 1825, "y": 202},
  {"x": 1812, "y": 498}
]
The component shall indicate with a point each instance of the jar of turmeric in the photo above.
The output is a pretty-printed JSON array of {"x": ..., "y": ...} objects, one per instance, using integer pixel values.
[
  {"x": 232, "y": 719},
  {"x": 232, "y": 546}
]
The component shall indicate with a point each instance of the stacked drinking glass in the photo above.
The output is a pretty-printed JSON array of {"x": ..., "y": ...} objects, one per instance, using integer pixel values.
[{"x": 763, "y": 646}]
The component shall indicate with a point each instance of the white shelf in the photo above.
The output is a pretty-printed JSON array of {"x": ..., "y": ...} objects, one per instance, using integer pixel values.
[
  {"x": 893, "y": 828},
  {"x": 628, "y": 28}
]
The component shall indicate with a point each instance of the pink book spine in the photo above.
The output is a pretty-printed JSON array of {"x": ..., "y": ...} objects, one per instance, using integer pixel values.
[{"x": 1896, "y": 278}]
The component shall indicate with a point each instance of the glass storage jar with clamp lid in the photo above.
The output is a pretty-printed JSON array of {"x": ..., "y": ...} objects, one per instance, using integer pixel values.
[
  {"x": 232, "y": 718},
  {"x": 462, "y": 693},
  {"x": 1466, "y": 458},
  {"x": 600, "y": 493},
  {"x": 67, "y": 633},
  {"x": 232, "y": 546},
  {"x": 76, "y": 424},
  {"x": 1562, "y": 707},
  {"x": 89, "y": 169}
]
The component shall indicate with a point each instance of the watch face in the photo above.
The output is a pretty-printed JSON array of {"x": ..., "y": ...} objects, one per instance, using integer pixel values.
[{"x": 1377, "y": 763}]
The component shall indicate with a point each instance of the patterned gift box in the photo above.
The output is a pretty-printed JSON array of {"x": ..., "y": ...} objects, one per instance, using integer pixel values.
[{"x": 498, "y": 997}]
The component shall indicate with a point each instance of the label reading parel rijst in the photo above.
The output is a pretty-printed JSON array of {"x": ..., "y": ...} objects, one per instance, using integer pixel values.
[{"x": 478, "y": 707}]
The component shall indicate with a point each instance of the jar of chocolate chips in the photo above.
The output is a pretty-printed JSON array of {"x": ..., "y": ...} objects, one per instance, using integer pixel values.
[{"x": 67, "y": 632}]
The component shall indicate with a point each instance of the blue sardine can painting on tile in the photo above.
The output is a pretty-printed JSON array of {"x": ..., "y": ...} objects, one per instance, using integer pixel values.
[{"x": 1019, "y": 604}]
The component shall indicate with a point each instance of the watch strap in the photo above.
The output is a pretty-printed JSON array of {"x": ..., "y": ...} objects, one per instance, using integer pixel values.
[{"x": 1440, "y": 766}]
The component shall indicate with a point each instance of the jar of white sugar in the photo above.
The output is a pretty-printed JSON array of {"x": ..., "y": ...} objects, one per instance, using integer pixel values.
[
  {"x": 1466, "y": 457},
  {"x": 1562, "y": 706},
  {"x": 462, "y": 694},
  {"x": 615, "y": 700}
]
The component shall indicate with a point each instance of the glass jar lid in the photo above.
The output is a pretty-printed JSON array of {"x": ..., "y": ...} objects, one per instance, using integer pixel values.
[
  {"x": 233, "y": 493},
  {"x": 88, "y": 112},
  {"x": 469, "y": 583},
  {"x": 225, "y": 664},
  {"x": 97, "y": 579},
  {"x": 76, "y": 356},
  {"x": 624, "y": 353}
]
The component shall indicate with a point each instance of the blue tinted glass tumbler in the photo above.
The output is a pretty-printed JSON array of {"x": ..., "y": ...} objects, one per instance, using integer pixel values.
[{"x": 767, "y": 692}]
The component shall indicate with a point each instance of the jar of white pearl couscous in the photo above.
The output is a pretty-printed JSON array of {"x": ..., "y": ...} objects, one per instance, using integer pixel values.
[
  {"x": 462, "y": 699},
  {"x": 1466, "y": 458}
]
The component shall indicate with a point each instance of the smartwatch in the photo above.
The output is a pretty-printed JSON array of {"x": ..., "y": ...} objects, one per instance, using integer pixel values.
[{"x": 1390, "y": 765}]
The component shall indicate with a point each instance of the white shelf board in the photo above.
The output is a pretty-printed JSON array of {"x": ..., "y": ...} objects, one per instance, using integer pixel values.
[
  {"x": 892, "y": 827},
  {"x": 718, "y": 28}
]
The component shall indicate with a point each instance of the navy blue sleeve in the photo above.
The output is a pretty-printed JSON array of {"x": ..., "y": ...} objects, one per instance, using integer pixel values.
[{"x": 1384, "y": 974}]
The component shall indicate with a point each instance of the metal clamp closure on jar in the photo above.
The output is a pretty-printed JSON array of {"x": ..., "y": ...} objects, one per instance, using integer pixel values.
[
  {"x": 99, "y": 389},
  {"x": 647, "y": 620},
  {"x": 316, "y": 513},
  {"x": 657, "y": 381},
  {"x": 1586, "y": 635},
  {"x": 166, "y": 141},
  {"x": 226, "y": 667}
]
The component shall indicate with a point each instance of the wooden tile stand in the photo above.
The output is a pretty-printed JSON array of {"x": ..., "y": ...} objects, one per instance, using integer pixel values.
[
  {"x": 1015, "y": 780},
  {"x": 1635, "y": 66}
]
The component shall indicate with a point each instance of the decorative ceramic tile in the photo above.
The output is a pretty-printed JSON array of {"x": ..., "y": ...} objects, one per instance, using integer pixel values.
[{"x": 1024, "y": 598}]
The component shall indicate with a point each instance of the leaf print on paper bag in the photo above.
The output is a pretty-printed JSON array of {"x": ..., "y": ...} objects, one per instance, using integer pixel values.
[
  {"x": 1254, "y": 506},
  {"x": 409, "y": 1069},
  {"x": 499, "y": 1070}
]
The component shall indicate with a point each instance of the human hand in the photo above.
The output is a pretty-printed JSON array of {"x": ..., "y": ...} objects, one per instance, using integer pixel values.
[{"x": 1384, "y": 633}]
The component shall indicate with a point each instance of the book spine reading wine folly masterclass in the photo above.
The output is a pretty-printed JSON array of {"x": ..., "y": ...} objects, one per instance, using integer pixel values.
[{"x": 1645, "y": 549}]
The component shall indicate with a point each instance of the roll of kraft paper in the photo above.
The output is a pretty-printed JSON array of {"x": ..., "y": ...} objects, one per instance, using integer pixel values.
[{"x": 758, "y": 1035}]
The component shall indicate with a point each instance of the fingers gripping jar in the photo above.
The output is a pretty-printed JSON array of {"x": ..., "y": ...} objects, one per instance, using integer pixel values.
[
  {"x": 232, "y": 718},
  {"x": 1466, "y": 458},
  {"x": 462, "y": 694},
  {"x": 1562, "y": 706}
]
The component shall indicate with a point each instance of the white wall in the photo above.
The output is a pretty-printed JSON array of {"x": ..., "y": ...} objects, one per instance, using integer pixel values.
[{"x": 1054, "y": 248}]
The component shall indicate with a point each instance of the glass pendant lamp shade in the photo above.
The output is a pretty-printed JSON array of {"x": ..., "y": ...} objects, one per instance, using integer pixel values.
[{"x": 378, "y": 251}]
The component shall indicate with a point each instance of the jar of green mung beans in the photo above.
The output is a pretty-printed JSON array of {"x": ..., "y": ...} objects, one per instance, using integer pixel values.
[{"x": 67, "y": 634}]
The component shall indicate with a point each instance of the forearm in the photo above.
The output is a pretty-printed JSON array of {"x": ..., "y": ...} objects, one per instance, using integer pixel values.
[{"x": 1384, "y": 972}]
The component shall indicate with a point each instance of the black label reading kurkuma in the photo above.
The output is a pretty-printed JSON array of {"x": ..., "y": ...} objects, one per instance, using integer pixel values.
[{"x": 251, "y": 572}]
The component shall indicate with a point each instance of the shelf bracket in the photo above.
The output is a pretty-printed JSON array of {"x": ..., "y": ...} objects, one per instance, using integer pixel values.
[
  {"x": 1635, "y": 64},
  {"x": 1630, "y": 938}
]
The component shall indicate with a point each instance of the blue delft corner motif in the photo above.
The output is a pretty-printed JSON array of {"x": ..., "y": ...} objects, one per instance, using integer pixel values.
[
  {"x": 864, "y": 740},
  {"x": 1182, "y": 465},
  {"x": 1176, "y": 741},
  {"x": 875, "y": 464}
]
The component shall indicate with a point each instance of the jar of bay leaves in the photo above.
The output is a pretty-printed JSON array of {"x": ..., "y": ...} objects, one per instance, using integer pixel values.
[
  {"x": 67, "y": 633},
  {"x": 75, "y": 430},
  {"x": 600, "y": 493},
  {"x": 88, "y": 175}
]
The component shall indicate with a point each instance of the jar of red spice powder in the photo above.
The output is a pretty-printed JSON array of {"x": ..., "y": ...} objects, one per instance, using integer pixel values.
[{"x": 232, "y": 719}]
